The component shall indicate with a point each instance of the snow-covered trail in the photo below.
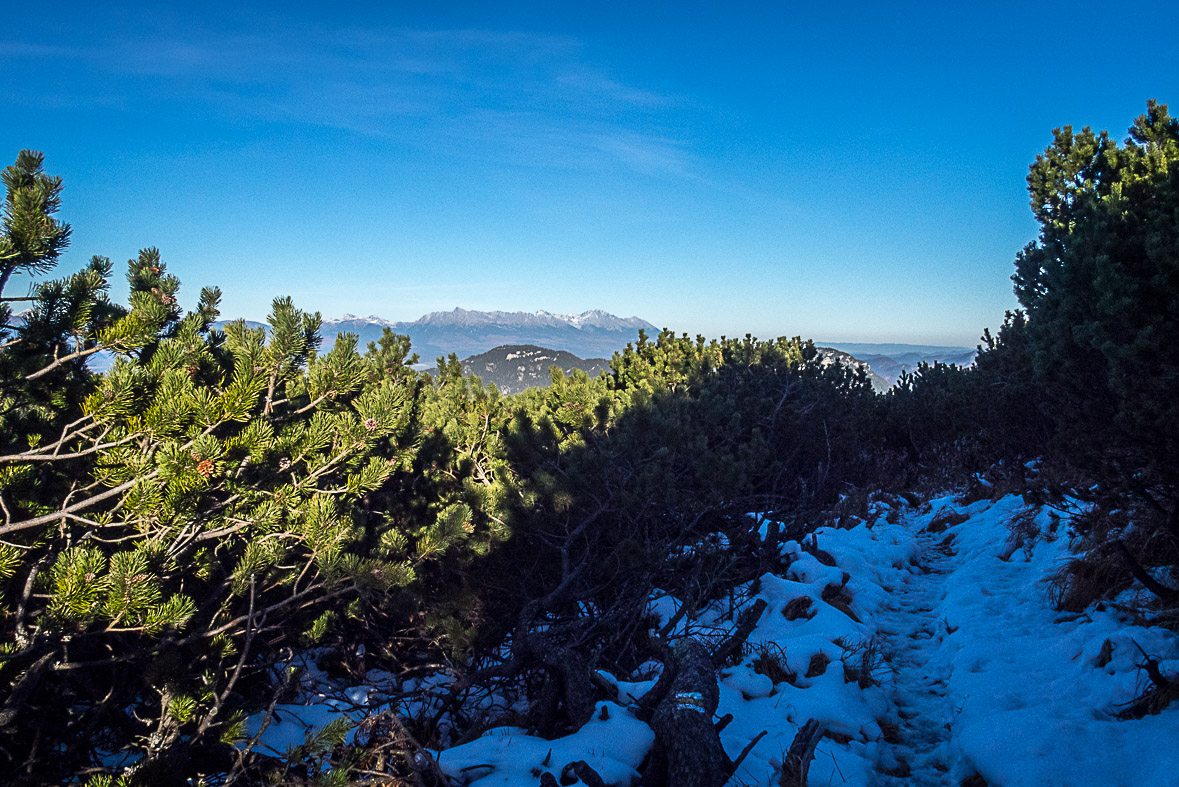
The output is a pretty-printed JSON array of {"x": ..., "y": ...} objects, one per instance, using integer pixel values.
[
  {"x": 984, "y": 679},
  {"x": 910, "y": 632},
  {"x": 990, "y": 681}
]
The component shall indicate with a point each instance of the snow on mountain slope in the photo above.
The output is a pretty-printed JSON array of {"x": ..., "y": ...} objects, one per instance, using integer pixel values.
[
  {"x": 513, "y": 368},
  {"x": 591, "y": 334}
]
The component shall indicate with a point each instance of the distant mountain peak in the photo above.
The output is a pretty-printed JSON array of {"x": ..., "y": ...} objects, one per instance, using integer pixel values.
[
  {"x": 594, "y": 318},
  {"x": 372, "y": 319},
  {"x": 593, "y": 333}
]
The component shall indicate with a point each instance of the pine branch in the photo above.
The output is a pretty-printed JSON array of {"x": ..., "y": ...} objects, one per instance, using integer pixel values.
[
  {"x": 23, "y": 688},
  {"x": 265, "y": 612},
  {"x": 40, "y": 456},
  {"x": 79, "y": 506},
  {"x": 84, "y": 504},
  {"x": 66, "y": 436},
  {"x": 63, "y": 359},
  {"x": 237, "y": 670}
]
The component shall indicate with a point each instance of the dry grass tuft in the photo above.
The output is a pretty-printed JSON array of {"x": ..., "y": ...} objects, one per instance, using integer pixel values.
[
  {"x": 890, "y": 732},
  {"x": 945, "y": 518},
  {"x": 818, "y": 665},
  {"x": 770, "y": 660},
  {"x": 1099, "y": 574},
  {"x": 1024, "y": 532},
  {"x": 865, "y": 662},
  {"x": 799, "y": 608}
]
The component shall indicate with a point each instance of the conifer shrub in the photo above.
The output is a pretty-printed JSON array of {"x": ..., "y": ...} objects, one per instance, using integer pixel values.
[
  {"x": 177, "y": 525},
  {"x": 1082, "y": 378},
  {"x": 1100, "y": 287}
]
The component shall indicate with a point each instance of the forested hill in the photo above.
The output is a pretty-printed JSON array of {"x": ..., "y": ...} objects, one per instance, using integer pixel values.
[
  {"x": 880, "y": 384},
  {"x": 890, "y": 360},
  {"x": 514, "y": 367}
]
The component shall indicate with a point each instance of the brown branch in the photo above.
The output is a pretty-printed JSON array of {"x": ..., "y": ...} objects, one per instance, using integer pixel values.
[
  {"x": 80, "y": 505},
  {"x": 23, "y": 688},
  {"x": 22, "y": 633},
  {"x": 745, "y": 626},
  {"x": 1167, "y": 594},
  {"x": 745, "y": 752},
  {"x": 798, "y": 760},
  {"x": 1152, "y": 669},
  {"x": 237, "y": 670},
  {"x": 239, "y": 766},
  {"x": 38, "y": 456},
  {"x": 287, "y": 416},
  {"x": 65, "y": 437},
  {"x": 63, "y": 359},
  {"x": 277, "y": 605}
]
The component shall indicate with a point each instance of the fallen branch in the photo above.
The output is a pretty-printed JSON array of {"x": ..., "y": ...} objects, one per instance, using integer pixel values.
[
  {"x": 683, "y": 720},
  {"x": 745, "y": 752},
  {"x": 798, "y": 760},
  {"x": 745, "y": 626},
  {"x": 1155, "y": 699}
]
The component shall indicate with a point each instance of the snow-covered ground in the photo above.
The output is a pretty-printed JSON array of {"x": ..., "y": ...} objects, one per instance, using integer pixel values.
[
  {"x": 989, "y": 678},
  {"x": 928, "y": 650}
]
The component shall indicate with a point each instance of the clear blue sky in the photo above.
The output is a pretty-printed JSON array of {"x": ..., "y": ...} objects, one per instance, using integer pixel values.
[{"x": 844, "y": 171}]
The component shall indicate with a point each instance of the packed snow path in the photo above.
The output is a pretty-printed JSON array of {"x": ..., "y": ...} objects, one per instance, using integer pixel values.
[
  {"x": 990, "y": 681},
  {"x": 910, "y": 632}
]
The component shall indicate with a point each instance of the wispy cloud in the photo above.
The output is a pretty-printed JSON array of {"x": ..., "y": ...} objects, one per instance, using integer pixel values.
[
  {"x": 526, "y": 98},
  {"x": 20, "y": 49}
]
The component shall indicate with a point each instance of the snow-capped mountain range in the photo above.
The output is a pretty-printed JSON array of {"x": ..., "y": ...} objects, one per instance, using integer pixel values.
[{"x": 465, "y": 332}]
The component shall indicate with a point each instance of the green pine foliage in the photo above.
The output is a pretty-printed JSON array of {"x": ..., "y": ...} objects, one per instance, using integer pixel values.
[
  {"x": 1084, "y": 375},
  {"x": 214, "y": 491},
  {"x": 1101, "y": 290},
  {"x": 613, "y": 474}
]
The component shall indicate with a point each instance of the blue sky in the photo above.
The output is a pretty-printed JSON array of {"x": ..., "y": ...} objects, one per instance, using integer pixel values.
[{"x": 851, "y": 172}]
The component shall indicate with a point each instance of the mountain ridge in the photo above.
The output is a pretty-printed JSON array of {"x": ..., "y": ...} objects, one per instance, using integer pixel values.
[
  {"x": 592, "y": 334},
  {"x": 466, "y": 332}
]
